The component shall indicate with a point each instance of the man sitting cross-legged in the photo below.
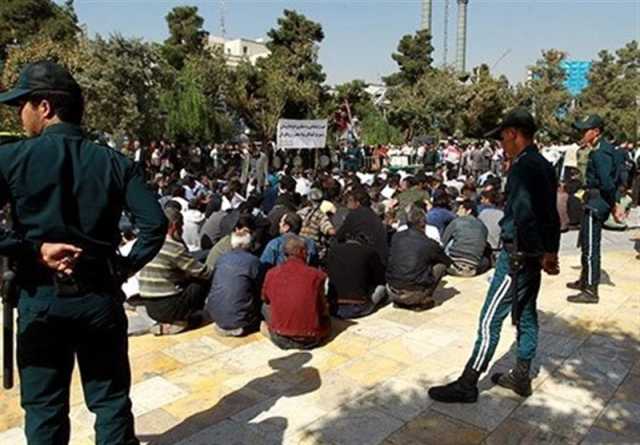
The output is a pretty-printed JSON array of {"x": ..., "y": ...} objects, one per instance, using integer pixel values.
[
  {"x": 233, "y": 302},
  {"x": 295, "y": 310},
  {"x": 174, "y": 285},
  {"x": 416, "y": 265}
]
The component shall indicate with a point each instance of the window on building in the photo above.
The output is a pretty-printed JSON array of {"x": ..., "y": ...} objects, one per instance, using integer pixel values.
[{"x": 245, "y": 50}]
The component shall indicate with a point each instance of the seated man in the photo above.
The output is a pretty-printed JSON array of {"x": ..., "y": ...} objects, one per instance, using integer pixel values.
[
  {"x": 244, "y": 226},
  {"x": 233, "y": 301},
  {"x": 362, "y": 219},
  {"x": 356, "y": 278},
  {"x": 465, "y": 242},
  {"x": 295, "y": 310},
  {"x": 173, "y": 286},
  {"x": 416, "y": 265},
  {"x": 290, "y": 225}
]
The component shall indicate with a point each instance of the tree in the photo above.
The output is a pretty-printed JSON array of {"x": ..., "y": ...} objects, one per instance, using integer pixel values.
[
  {"x": 432, "y": 104},
  {"x": 614, "y": 91},
  {"x": 296, "y": 41},
  {"x": 377, "y": 130},
  {"x": 123, "y": 83},
  {"x": 547, "y": 96},
  {"x": 259, "y": 95},
  {"x": 195, "y": 107},
  {"x": 355, "y": 94},
  {"x": 413, "y": 58},
  {"x": 22, "y": 20},
  {"x": 485, "y": 101},
  {"x": 186, "y": 36},
  {"x": 294, "y": 48}
]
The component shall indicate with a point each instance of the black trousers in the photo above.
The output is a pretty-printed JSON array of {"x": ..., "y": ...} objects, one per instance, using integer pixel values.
[
  {"x": 52, "y": 333},
  {"x": 179, "y": 307}
]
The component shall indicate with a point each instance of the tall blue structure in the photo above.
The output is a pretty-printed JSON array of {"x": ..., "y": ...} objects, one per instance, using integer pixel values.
[{"x": 577, "y": 72}]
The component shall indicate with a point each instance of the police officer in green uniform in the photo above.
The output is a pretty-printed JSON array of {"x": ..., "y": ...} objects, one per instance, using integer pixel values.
[
  {"x": 67, "y": 195},
  {"x": 530, "y": 237},
  {"x": 602, "y": 179}
]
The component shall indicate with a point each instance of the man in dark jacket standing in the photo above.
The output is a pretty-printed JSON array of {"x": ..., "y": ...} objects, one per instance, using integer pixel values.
[
  {"x": 67, "y": 196},
  {"x": 603, "y": 176},
  {"x": 531, "y": 237},
  {"x": 416, "y": 265}
]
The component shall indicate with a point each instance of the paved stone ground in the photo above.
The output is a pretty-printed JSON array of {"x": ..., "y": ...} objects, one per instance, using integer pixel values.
[{"x": 368, "y": 385}]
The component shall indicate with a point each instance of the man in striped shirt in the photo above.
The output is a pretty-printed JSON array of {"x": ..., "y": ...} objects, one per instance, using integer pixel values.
[{"x": 174, "y": 284}]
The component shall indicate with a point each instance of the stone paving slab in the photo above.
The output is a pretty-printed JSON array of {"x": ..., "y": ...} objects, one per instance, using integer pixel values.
[{"x": 369, "y": 384}]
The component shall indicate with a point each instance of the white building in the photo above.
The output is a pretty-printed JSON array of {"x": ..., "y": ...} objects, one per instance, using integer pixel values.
[
  {"x": 378, "y": 93},
  {"x": 237, "y": 50}
]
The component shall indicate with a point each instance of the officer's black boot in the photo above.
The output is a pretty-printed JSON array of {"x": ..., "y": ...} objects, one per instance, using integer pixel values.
[
  {"x": 517, "y": 379},
  {"x": 463, "y": 390},
  {"x": 589, "y": 295}
]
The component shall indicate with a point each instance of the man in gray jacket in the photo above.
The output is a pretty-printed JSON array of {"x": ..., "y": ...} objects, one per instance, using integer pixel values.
[{"x": 465, "y": 242}]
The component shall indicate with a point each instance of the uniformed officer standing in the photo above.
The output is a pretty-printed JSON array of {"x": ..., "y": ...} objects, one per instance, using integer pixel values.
[
  {"x": 602, "y": 179},
  {"x": 67, "y": 195},
  {"x": 530, "y": 237}
]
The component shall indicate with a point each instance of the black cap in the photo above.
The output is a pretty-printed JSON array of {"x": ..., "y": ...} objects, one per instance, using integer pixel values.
[
  {"x": 591, "y": 121},
  {"x": 39, "y": 77},
  {"x": 516, "y": 118}
]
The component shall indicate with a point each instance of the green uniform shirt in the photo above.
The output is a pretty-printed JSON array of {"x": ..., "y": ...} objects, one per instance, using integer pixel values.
[
  {"x": 603, "y": 171},
  {"x": 64, "y": 188},
  {"x": 531, "y": 211}
]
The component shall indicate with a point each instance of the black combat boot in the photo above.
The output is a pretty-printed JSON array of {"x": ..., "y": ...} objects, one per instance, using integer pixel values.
[
  {"x": 517, "y": 379},
  {"x": 589, "y": 295},
  {"x": 463, "y": 390}
]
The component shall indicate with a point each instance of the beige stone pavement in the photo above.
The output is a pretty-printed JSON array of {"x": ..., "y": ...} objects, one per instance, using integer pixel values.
[{"x": 369, "y": 384}]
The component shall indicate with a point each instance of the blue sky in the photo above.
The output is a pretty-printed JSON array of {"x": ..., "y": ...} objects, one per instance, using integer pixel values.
[{"x": 360, "y": 35}]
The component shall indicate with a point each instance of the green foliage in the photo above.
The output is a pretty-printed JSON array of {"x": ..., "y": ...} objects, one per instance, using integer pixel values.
[
  {"x": 296, "y": 41},
  {"x": 431, "y": 105},
  {"x": 123, "y": 83},
  {"x": 413, "y": 58},
  {"x": 23, "y": 20},
  {"x": 186, "y": 36},
  {"x": 376, "y": 130},
  {"x": 485, "y": 101},
  {"x": 259, "y": 95},
  {"x": 547, "y": 96},
  {"x": 194, "y": 107},
  {"x": 614, "y": 92},
  {"x": 286, "y": 84},
  {"x": 354, "y": 93},
  {"x": 121, "y": 80}
]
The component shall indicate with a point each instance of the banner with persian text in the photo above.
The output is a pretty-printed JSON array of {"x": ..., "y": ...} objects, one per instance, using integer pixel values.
[{"x": 302, "y": 133}]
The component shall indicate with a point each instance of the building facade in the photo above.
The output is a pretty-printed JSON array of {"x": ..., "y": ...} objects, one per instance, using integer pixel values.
[{"x": 237, "y": 50}]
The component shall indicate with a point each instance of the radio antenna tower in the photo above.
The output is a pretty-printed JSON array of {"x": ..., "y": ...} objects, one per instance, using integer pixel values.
[
  {"x": 223, "y": 29},
  {"x": 445, "y": 47}
]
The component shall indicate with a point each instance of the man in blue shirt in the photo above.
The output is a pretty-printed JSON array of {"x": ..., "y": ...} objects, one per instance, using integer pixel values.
[{"x": 290, "y": 224}]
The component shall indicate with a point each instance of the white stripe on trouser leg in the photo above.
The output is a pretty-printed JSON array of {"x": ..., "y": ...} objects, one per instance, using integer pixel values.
[
  {"x": 590, "y": 249},
  {"x": 486, "y": 321}
]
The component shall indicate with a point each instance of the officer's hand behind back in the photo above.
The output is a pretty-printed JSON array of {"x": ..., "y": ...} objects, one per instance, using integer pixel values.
[{"x": 60, "y": 257}]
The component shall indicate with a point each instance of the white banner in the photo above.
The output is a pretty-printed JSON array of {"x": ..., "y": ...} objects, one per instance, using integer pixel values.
[{"x": 302, "y": 133}]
